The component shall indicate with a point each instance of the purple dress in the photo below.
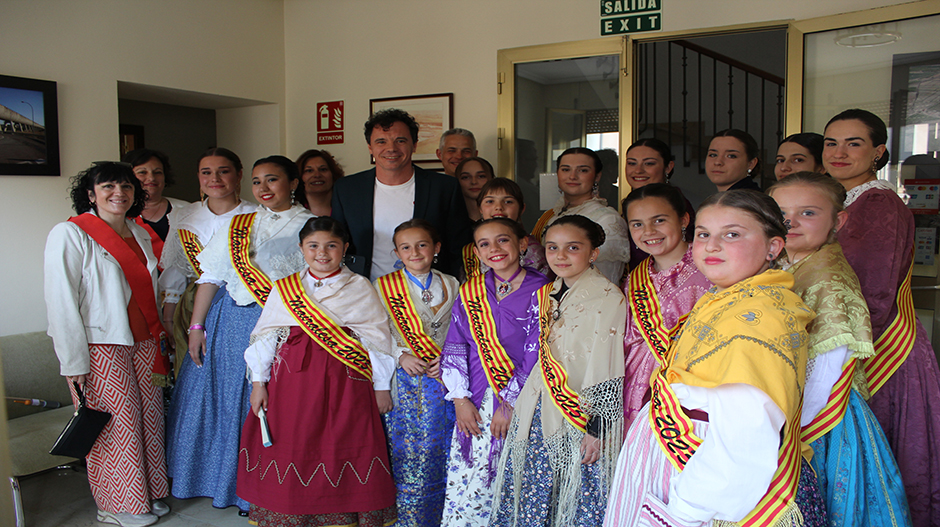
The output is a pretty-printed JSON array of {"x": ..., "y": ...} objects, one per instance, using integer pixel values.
[
  {"x": 877, "y": 242},
  {"x": 473, "y": 461},
  {"x": 678, "y": 289}
]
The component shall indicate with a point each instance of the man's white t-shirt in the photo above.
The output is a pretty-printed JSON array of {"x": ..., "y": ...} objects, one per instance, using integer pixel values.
[{"x": 392, "y": 206}]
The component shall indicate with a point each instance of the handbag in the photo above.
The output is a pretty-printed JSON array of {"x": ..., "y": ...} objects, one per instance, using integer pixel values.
[{"x": 82, "y": 431}]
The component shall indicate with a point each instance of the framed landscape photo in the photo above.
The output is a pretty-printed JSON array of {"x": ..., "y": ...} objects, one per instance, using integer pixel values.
[
  {"x": 29, "y": 127},
  {"x": 434, "y": 113}
]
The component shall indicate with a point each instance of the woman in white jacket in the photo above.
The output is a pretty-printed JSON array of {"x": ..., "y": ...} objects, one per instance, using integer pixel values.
[{"x": 100, "y": 289}]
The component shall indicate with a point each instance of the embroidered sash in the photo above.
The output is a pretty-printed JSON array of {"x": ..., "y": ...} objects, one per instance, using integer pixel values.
[
  {"x": 256, "y": 282},
  {"x": 834, "y": 411},
  {"x": 471, "y": 264},
  {"x": 778, "y": 505},
  {"x": 553, "y": 372},
  {"x": 897, "y": 341},
  {"x": 191, "y": 248},
  {"x": 540, "y": 225},
  {"x": 648, "y": 312},
  {"x": 494, "y": 357},
  {"x": 401, "y": 307},
  {"x": 140, "y": 281},
  {"x": 321, "y": 328}
]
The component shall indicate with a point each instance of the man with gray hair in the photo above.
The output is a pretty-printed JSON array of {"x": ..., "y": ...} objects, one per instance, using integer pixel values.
[{"x": 456, "y": 145}]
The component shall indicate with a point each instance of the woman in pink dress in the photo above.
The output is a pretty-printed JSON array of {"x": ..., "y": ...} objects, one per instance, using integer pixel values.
[
  {"x": 878, "y": 241},
  {"x": 661, "y": 290}
]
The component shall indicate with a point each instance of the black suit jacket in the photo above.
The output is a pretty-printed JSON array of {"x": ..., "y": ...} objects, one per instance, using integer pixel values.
[{"x": 438, "y": 199}]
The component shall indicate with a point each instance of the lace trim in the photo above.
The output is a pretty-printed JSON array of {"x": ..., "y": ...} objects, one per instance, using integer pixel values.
[{"x": 856, "y": 192}]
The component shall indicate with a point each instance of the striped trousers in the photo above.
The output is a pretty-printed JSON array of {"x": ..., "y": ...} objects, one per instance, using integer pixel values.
[{"x": 127, "y": 464}]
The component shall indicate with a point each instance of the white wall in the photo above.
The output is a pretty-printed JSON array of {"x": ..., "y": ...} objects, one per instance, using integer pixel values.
[
  {"x": 292, "y": 54},
  {"x": 356, "y": 50},
  {"x": 225, "y": 47}
]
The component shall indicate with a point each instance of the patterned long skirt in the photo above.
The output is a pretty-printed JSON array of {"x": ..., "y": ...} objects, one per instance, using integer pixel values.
[
  {"x": 328, "y": 461},
  {"x": 209, "y": 407},
  {"x": 471, "y": 471},
  {"x": 419, "y": 430},
  {"x": 640, "y": 491},
  {"x": 857, "y": 472},
  {"x": 127, "y": 464}
]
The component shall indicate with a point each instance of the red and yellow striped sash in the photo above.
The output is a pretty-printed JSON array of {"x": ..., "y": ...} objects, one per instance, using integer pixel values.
[
  {"x": 897, "y": 341},
  {"x": 834, "y": 411},
  {"x": 648, "y": 312},
  {"x": 321, "y": 328},
  {"x": 471, "y": 264},
  {"x": 553, "y": 373},
  {"x": 401, "y": 308},
  {"x": 191, "y": 248},
  {"x": 540, "y": 225},
  {"x": 494, "y": 357},
  {"x": 780, "y": 497},
  {"x": 256, "y": 282},
  {"x": 670, "y": 424}
]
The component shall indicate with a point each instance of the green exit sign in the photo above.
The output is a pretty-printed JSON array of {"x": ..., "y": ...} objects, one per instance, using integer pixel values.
[
  {"x": 629, "y": 7},
  {"x": 631, "y": 24}
]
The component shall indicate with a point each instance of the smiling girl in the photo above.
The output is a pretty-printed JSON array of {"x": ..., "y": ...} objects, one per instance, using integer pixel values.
[
  {"x": 661, "y": 290},
  {"x": 878, "y": 241},
  {"x": 490, "y": 348},
  {"x": 502, "y": 198},
  {"x": 568, "y": 426},
  {"x": 472, "y": 174},
  {"x": 579, "y": 171},
  {"x": 419, "y": 301},
  {"x": 851, "y": 456},
  {"x": 239, "y": 266},
  {"x": 318, "y": 351},
  {"x": 191, "y": 228},
  {"x": 724, "y": 416}
]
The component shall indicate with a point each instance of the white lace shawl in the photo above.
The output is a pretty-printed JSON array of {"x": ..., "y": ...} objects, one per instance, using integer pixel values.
[{"x": 274, "y": 248}]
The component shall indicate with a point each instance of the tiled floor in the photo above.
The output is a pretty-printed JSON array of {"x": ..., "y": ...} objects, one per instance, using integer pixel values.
[{"x": 61, "y": 498}]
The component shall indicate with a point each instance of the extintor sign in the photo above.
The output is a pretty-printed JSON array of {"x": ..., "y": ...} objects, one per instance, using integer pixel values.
[{"x": 330, "y": 122}]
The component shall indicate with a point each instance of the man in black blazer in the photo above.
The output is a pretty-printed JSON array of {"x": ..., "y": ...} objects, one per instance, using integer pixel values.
[{"x": 372, "y": 203}]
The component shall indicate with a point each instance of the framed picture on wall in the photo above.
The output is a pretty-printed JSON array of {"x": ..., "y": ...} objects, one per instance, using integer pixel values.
[
  {"x": 29, "y": 127},
  {"x": 434, "y": 113}
]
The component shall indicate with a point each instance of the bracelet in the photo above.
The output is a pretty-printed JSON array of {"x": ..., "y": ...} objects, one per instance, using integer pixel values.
[{"x": 195, "y": 326}]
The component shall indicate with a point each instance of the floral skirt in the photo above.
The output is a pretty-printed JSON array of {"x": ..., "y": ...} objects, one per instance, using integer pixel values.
[
  {"x": 471, "y": 470},
  {"x": 419, "y": 430}
]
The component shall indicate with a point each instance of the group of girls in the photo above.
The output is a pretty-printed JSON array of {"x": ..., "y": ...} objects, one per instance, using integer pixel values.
[
  {"x": 752, "y": 369},
  {"x": 735, "y": 370}
]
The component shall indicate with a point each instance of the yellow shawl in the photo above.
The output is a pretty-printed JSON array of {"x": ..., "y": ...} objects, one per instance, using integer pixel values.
[{"x": 753, "y": 332}]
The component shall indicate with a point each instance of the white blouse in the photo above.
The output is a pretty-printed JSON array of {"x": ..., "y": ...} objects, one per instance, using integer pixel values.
[
  {"x": 198, "y": 219},
  {"x": 350, "y": 301},
  {"x": 274, "y": 248}
]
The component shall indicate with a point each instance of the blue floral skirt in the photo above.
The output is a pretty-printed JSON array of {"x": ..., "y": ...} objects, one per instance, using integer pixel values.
[{"x": 209, "y": 407}]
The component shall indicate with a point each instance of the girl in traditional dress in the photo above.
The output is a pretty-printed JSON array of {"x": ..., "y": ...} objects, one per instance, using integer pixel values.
[
  {"x": 579, "y": 171},
  {"x": 191, "y": 228},
  {"x": 878, "y": 241},
  {"x": 100, "y": 289},
  {"x": 649, "y": 161},
  {"x": 320, "y": 346},
  {"x": 239, "y": 267},
  {"x": 502, "y": 198},
  {"x": 568, "y": 423},
  {"x": 719, "y": 440},
  {"x": 490, "y": 348},
  {"x": 853, "y": 462},
  {"x": 661, "y": 290},
  {"x": 419, "y": 301}
]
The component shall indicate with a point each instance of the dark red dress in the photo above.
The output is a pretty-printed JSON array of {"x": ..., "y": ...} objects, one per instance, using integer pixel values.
[{"x": 329, "y": 459}]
